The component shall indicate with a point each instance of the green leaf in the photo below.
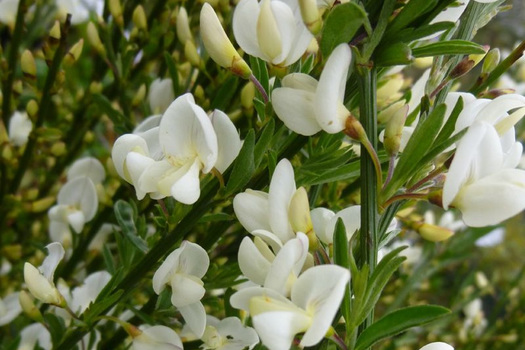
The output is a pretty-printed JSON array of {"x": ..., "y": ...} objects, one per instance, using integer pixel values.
[
  {"x": 56, "y": 325},
  {"x": 260, "y": 71},
  {"x": 308, "y": 64},
  {"x": 263, "y": 142},
  {"x": 408, "y": 35},
  {"x": 122, "y": 124},
  {"x": 397, "y": 322},
  {"x": 396, "y": 54},
  {"x": 100, "y": 306},
  {"x": 450, "y": 47},
  {"x": 108, "y": 259},
  {"x": 450, "y": 124},
  {"x": 125, "y": 217},
  {"x": 341, "y": 25},
  {"x": 342, "y": 258},
  {"x": 416, "y": 148},
  {"x": 410, "y": 13},
  {"x": 174, "y": 75},
  {"x": 244, "y": 166}
]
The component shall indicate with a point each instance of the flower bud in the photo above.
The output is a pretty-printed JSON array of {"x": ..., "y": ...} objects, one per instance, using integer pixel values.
[
  {"x": 40, "y": 287},
  {"x": 58, "y": 149},
  {"x": 218, "y": 45},
  {"x": 116, "y": 11},
  {"x": 54, "y": 33},
  {"x": 466, "y": 64},
  {"x": 491, "y": 61},
  {"x": 434, "y": 233},
  {"x": 28, "y": 64},
  {"x": 139, "y": 96},
  {"x": 94, "y": 39},
  {"x": 139, "y": 18},
  {"x": 41, "y": 205},
  {"x": 299, "y": 216},
  {"x": 354, "y": 129},
  {"x": 190, "y": 51},
  {"x": 394, "y": 130},
  {"x": 423, "y": 62},
  {"x": 29, "y": 307},
  {"x": 384, "y": 116},
  {"x": 183, "y": 26},
  {"x": 247, "y": 95},
  {"x": 74, "y": 53},
  {"x": 311, "y": 16}
]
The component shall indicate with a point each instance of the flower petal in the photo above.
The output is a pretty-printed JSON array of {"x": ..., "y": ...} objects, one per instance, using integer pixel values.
[
  {"x": 55, "y": 255},
  {"x": 296, "y": 109},
  {"x": 251, "y": 209},
  {"x": 163, "y": 273},
  {"x": 331, "y": 89},
  {"x": 82, "y": 194},
  {"x": 195, "y": 317},
  {"x": 186, "y": 189},
  {"x": 320, "y": 290},
  {"x": 186, "y": 290},
  {"x": 277, "y": 329},
  {"x": 282, "y": 188},
  {"x": 252, "y": 262},
  {"x": 245, "y": 26},
  {"x": 193, "y": 259},
  {"x": 437, "y": 346},
  {"x": 229, "y": 142},
  {"x": 122, "y": 146}
]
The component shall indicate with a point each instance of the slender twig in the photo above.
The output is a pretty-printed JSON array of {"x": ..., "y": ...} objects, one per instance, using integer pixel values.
[
  {"x": 405, "y": 196},
  {"x": 12, "y": 61},
  {"x": 260, "y": 88},
  {"x": 391, "y": 162}
]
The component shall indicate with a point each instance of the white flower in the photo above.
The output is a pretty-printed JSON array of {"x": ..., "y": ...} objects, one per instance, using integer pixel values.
[
  {"x": 271, "y": 30},
  {"x": 491, "y": 239},
  {"x": 189, "y": 141},
  {"x": 9, "y": 308},
  {"x": 34, "y": 334},
  {"x": 20, "y": 127},
  {"x": 228, "y": 334},
  {"x": 183, "y": 270},
  {"x": 82, "y": 296},
  {"x": 8, "y": 9},
  {"x": 160, "y": 95},
  {"x": 480, "y": 183},
  {"x": 315, "y": 299},
  {"x": 40, "y": 281},
  {"x": 437, "y": 346},
  {"x": 89, "y": 167},
  {"x": 80, "y": 9},
  {"x": 324, "y": 221},
  {"x": 77, "y": 203},
  {"x": 307, "y": 106},
  {"x": 157, "y": 338}
]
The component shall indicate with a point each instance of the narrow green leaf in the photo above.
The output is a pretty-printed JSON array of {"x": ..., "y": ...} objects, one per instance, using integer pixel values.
[
  {"x": 125, "y": 218},
  {"x": 399, "y": 321},
  {"x": 122, "y": 123},
  {"x": 341, "y": 25},
  {"x": 108, "y": 259},
  {"x": 244, "y": 166},
  {"x": 395, "y": 54},
  {"x": 174, "y": 75},
  {"x": 308, "y": 64},
  {"x": 411, "y": 12},
  {"x": 100, "y": 305},
  {"x": 450, "y": 124},
  {"x": 57, "y": 327},
  {"x": 408, "y": 35},
  {"x": 440, "y": 148},
  {"x": 450, "y": 47},
  {"x": 342, "y": 258},
  {"x": 263, "y": 142},
  {"x": 416, "y": 148}
]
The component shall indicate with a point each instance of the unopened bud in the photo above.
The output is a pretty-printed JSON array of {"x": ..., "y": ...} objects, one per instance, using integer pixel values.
[
  {"x": 183, "y": 26},
  {"x": 394, "y": 131},
  {"x": 491, "y": 61},
  {"x": 190, "y": 51},
  {"x": 58, "y": 149},
  {"x": 492, "y": 94},
  {"x": 115, "y": 8},
  {"x": 247, "y": 95},
  {"x": 466, "y": 64},
  {"x": 139, "y": 96},
  {"x": 95, "y": 87},
  {"x": 18, "y": 87},
  {"x": 313, "y": 47},
  {"x": 74, "y": 53},
  {"x": 481, "y": 280},
  {"x": 41, "y": 205},
  {"x": 384, "y": 116},
  {"x": 508, "y": 122},
  {"x": 423, "y": 62},
  {"x": 311, "y": 16},
  {"x": 12, "y": 251},
  {"x": 199, "y": 93},
  {"x": 28, "y": 306},
  {"x": 299, "y": 211},
  {"x": 434, "y": 233},
  {"x": 218, "y": 45},
  {"x": 28, "y": 64},
  {"x": 54, "y": 33},
  {"x": 354, "y": 129},
  {"x": 139, "y": 18},
  {"x": 94, "y": 38}
]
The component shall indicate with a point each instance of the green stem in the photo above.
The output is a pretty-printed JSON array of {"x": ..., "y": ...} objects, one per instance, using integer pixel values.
[
  {"x": 44, "y": 106},
  {"x": 12, "y": 61},
  {"x": 369, "y": 190}
]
